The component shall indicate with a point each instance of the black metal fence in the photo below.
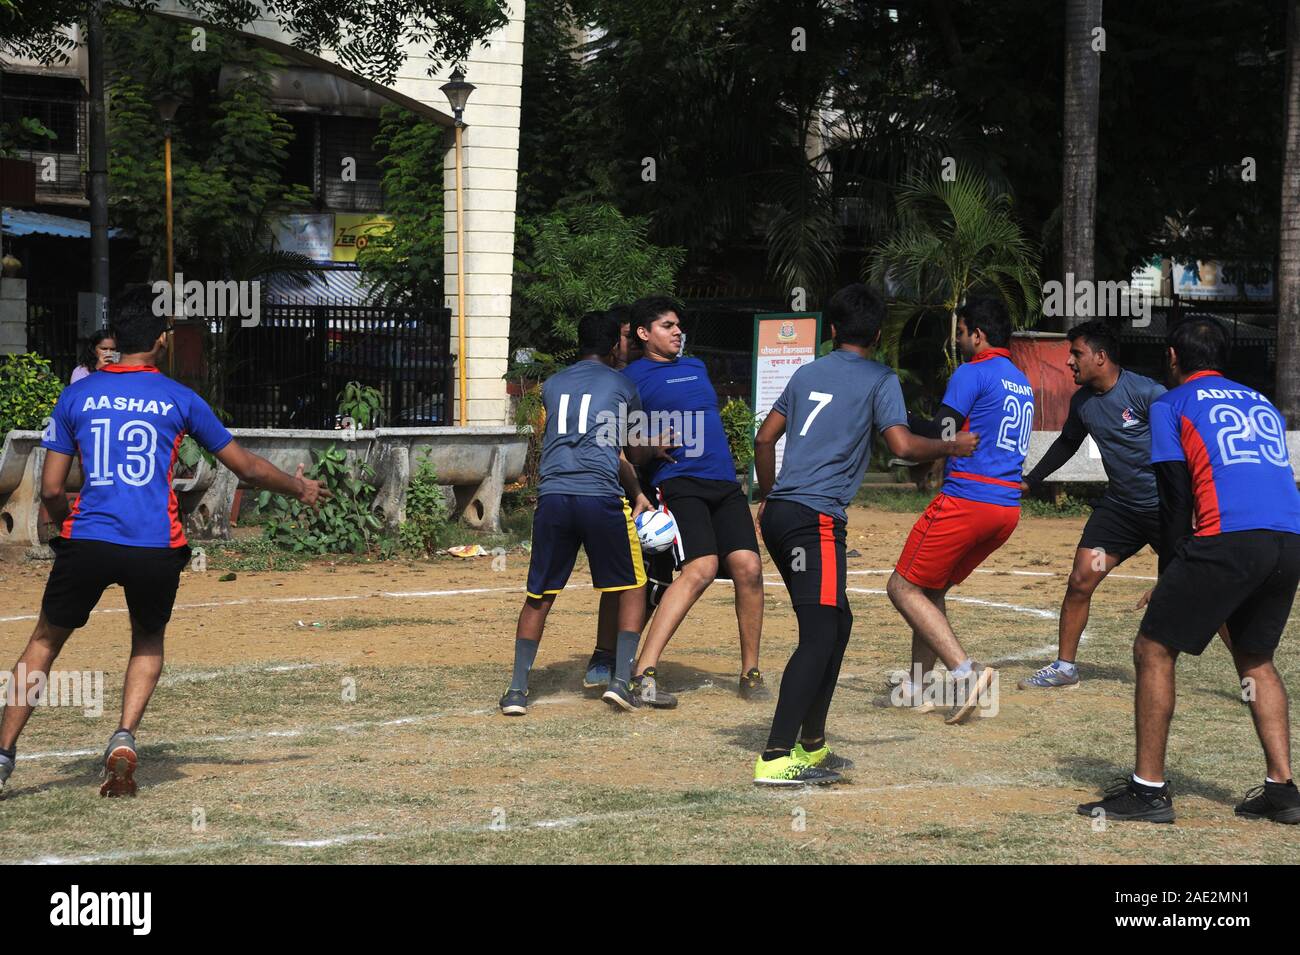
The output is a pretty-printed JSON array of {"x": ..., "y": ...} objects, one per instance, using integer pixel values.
[
  {"x": 52, "y": 327},
  {"x": 287, "y": 371}
]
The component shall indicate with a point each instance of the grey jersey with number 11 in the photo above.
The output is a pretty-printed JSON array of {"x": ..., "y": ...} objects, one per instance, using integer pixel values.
[
  {"x": 584, "y": 404},
  {"x": 831, "y": 407}
]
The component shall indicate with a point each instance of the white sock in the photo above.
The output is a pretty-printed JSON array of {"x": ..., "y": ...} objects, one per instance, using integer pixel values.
[
  {"x": 1065, "y": 666},
  {"x": 1270, "y": 779},
  {"x": 1146, "y": 782},
  {"x": 963, "y": 668}
]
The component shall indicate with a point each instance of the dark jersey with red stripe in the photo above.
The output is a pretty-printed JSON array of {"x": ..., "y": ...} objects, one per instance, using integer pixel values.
[
  {"x": 998, "y": 404},
  {"x": 1234, "y": 443},
  {"x": 126, "y": 423}
]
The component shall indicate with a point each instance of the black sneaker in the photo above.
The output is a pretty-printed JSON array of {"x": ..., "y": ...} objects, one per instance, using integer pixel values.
[
  {"x": 752, "y": 686},
  {"x": 620, "y": 696},
  {"x": 1124, "y": 801},
  {"x": 645, "y": 687},
  {"x": 1279, "y": 802}
]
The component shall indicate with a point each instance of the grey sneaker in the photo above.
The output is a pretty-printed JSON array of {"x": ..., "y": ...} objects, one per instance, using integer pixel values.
[
  {"x": 119, "y": 765},
  {"x": 969, "y": 692},
  {"x": 647, "y": 691},
  {"x": 1048, "y": 678},
  {"x": 6, "y": 770},
  {"x": 514, "y": 703},
  {"x": 904, "y": 697}
]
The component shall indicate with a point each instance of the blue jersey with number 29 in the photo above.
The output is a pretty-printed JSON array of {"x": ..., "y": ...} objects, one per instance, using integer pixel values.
[
  {"x": 127, "y": 422},
  {"x": 1234, "y": 443},
  {"x": 998, "y": 404}
]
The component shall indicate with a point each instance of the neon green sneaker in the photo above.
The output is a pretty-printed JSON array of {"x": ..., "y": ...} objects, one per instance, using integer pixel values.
[
  {"x": 788, "y": 771},
  {"x": 821, "y": 757}
]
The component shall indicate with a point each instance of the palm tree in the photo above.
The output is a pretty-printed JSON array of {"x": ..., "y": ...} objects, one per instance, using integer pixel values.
[
  {"x": 955, "y": 237},
  {"x": 1288, "y": 272},
  {"x": 1079, "y": 160}
]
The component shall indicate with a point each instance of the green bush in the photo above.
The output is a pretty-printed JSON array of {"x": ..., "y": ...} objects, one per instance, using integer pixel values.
[
  {"x": 738, "y": 423},
  {"x": 28, "y": 390},
  {"x": 344, "y": 524},
  {"x": 361, "y": 403},
  {"x": 426, "y": 511}
]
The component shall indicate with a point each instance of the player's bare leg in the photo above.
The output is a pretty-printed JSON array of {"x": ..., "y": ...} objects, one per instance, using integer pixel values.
[
  {"x": 694, "y": 579},
  {"x": 142, "y": 673},
  {"x": 39, "y": 655},
  {"x": 1091, "y": 566},
  {"x": 928, "y": 622},
  {"x": 746, "y": 570},
  {"x": 1263, "y": 686},
  {"x": 1153, "y": 705},
  {"x": 928, "y": 619}
]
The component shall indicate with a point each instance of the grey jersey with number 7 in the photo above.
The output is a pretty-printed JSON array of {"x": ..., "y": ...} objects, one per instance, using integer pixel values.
[
  {"x": 586, "y": 404},
  {"x": 831, "y": 407}
]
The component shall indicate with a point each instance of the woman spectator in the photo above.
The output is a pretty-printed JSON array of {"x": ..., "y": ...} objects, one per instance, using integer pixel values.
[{"x": 100, "y": 350}]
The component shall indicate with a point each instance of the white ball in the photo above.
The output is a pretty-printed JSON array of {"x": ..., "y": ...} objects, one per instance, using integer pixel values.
[{"x": 656, "y": 529}]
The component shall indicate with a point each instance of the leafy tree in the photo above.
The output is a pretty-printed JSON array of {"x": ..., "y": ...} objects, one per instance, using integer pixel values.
[
  {"x": 592, "y": 257},
  {"x": 956, "y": 237},
  {"x": 228, "y": 147},
  {"x": 28, "y": 391},
  {"x": 371, "y": 39},
  {"x": 405, "y": 264}
]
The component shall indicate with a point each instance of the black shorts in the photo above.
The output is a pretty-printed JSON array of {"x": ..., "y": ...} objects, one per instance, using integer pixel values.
[
  {"x": 602, "y": 526},
  {"x": 1120, "y": 531},
  {"x": 84, "y": 569},
  {"x": 713, "y": 517},
  {"x": 808, "y": 548},
  {"x": 1246, "y": 579}
]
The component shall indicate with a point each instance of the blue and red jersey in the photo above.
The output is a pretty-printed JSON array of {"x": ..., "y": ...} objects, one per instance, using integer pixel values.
[
  {"x": 126, "y": 423},
  {"x": 1234, "y": 444},
  {"x": 997, "y": 402}
]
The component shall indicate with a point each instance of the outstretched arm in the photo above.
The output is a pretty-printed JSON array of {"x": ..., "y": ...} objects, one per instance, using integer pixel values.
[
  {"x": 256, "y": 470},
  {"x": 902, "y": 443}
]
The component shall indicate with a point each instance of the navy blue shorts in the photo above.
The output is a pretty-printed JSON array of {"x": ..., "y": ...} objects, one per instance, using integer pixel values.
[{"x": 602, "y": 526}]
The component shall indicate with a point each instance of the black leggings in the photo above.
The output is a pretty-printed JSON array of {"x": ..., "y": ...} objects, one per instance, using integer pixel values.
[{"x": 809, "y": 679}]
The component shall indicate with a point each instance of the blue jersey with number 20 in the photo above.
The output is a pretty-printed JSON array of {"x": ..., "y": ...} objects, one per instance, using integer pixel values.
[{"x": 998, "y": 404}]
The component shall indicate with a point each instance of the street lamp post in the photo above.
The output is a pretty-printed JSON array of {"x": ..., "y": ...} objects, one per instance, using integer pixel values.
[
  {"x": 457, "y": 92},
  {"x": 168, "y": 104}
]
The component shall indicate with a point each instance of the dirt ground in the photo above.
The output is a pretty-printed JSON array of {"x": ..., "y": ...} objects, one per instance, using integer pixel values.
[{"x": 348, "y": 713}]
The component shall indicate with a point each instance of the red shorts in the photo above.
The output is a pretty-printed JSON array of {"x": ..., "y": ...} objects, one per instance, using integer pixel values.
[{"x": 952, "y": 538}]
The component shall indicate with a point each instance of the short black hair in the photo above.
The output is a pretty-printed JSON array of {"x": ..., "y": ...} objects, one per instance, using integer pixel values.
[
  {"x": 138, "y": 320},
  {"x": 990, "y": 316},
  {"x": 622, "y": 312},
  {"x": 857, "y": 312},
  {"x": 646, "y": 310},
  {"x": 1099, "y": 336},
  {"x": 597, "y": 333},
  {"x": 1201, "y": 344}
]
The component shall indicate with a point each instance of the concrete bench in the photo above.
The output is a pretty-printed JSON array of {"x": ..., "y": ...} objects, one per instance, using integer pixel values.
[{"x": 477, "y": 462}]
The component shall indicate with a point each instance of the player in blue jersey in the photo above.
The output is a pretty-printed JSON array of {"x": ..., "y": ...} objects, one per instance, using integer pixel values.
[
  {"x": 698, "y": 485},
  {"x": 590, "y": 412},
  {"x": 125, "y": 424},
  {"x": 829, "y": 413},
  {"x": 975, "y": 512},
  {"x": 1230, "y": 552}
]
